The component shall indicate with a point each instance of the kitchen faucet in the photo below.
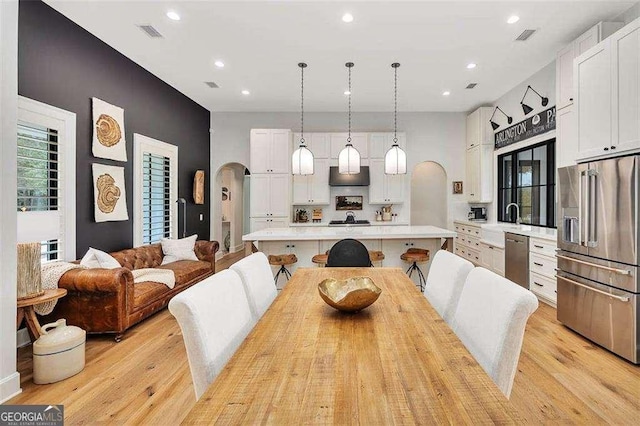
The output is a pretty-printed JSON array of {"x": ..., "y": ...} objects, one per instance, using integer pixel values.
[{"x": 517, "y": 212}]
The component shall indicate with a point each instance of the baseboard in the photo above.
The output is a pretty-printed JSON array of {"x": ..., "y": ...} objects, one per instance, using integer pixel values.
[
  {"x": 22, "y": 338},
  {"x": 238, "y": 248},
  {"x": 10, "y": 387}
]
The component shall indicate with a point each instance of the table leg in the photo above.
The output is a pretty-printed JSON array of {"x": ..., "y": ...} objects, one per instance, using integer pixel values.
[
  {"x": 32, "y": 323},
  {"x": 20, "y": 317}
]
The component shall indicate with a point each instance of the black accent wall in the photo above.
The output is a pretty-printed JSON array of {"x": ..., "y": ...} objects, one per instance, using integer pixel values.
[{"x": 63, "y": 65}]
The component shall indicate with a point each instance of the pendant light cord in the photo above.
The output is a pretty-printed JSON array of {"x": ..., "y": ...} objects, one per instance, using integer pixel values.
[
  {"x": 349, "y": 137},
  {"x": 302, "y": 66},
  {"x": 395, "y": 105}
]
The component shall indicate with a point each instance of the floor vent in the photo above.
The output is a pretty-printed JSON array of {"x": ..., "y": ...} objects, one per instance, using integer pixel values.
[
  {"x": 525, "y": 35},
  {"x": 150, "y": 31},
  {"x": 471, "y": 85},
  {"x": 211, "y": 84}
]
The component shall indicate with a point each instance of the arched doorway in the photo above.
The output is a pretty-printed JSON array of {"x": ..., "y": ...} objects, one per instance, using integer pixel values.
[
  {"x": 429, "y": 204},
  {"x": 231, "y": 207}
]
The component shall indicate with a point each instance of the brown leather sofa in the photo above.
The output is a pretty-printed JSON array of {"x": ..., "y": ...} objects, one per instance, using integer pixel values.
[{"x": 107, "y": 301}]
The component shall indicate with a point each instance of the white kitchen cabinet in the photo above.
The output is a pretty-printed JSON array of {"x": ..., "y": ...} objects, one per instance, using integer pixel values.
[
  {"x": 313, "y": 189},
  {"x": 592, "y": 75},
  {"x": 318, "y": 143},
  {"x": 379, "y": 143},
  {"x": 566, "y": 140},
  {"x": 269, "y": 195},
  {"x": 607, "y": 80},
  {"x": 479, "y": 170},
  {"x": 358, "y": 140},
  {"x": 565, "y": 57},
  {"x": 492, "y": 258},
  {"x": 383, "y": 188},
  {"x": 625, "y": 100},
  {"x": 270, "y": 151},
  {"x": 542, "y": 268},
  {"x": 479, "y": 130},
  {"x": 260, "y": 223}
]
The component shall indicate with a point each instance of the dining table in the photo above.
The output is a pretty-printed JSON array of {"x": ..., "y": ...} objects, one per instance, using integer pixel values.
[{"x": 394, "y": 362}]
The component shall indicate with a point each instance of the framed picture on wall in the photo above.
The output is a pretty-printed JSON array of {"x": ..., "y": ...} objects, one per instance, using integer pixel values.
[
  {"x": 348, "y": 202},
  {"x": 457, "y": 187}
]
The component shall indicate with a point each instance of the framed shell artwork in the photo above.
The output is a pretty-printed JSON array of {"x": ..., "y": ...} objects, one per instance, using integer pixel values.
[
  {"x": 109, "y": 196},
  {"x": 108, "y": 131}
]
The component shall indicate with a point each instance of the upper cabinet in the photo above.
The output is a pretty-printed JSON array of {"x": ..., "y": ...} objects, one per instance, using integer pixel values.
[
  {"x": 565, "y": 57},
  {"x": 607, "y": 82},
  {"x": 313, "y": 189},
  {"x": 479, "y": 157},
  {"x": 270, "y": 151},
  {"x": 383, "y": 188},
  {"x": 479, "y": 131}
]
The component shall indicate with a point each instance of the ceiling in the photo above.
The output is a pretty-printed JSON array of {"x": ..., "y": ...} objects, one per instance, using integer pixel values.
[{"x": 262, "y": 42}]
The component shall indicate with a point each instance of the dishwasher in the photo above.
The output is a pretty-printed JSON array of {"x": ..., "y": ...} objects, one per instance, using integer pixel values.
[{"x": 517, "y": 259}]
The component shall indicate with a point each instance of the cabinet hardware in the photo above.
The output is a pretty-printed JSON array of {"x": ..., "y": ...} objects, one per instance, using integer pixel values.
[
  {"x": 571, "y": 99},
  {"x": 613, "y": 147},
  {"x": 537, "y": 246},
  {"x": 538, "y": 264},
  {"x": 538, "y": 284},
  {"x": 606, "y": 148},
  {"x": 491, "y": 247}
]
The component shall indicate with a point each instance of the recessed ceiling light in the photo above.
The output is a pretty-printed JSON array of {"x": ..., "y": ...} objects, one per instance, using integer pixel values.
[
  {"x": 347, "y": 17},
  {"x": 346, "y": 92},
  {"x": 513, "y": 19},
  {"x": 173, "y": 15},
  {"x": 245, "y": 92},
  {"x": 219, "y": 64},
  {"x": 446, "y": 93},
  {"x": 471, "y": 66}
]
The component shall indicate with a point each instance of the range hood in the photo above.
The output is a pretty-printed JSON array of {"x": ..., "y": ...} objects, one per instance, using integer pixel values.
[{"x": 337, "y": 179}]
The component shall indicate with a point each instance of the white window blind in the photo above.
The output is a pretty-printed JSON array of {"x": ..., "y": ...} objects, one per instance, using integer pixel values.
[
  {"x": 45, "y": 196},
  {"x": 156, "y": 198}
]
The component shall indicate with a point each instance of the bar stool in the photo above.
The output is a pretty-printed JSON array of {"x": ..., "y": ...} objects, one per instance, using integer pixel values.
[
  {"x": 376, "y": 256},
  {"x": 282, "y": 260},
  {"x": 415, "y": 255},
  {"x": 320, "y": 259}
]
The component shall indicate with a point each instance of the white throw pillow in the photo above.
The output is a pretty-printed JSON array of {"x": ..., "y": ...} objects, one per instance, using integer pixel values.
[
  {"x": 181, "y": 249},
  {"x": 99, "y": 259}
]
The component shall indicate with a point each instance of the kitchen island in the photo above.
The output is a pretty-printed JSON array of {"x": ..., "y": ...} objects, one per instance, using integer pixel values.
[{"x": 307, "y": 241}]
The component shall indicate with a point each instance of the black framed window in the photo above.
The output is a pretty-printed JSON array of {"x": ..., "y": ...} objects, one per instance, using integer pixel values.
[{"x": 527, "y": 177}]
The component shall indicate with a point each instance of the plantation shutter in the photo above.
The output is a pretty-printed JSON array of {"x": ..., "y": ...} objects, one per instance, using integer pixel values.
[{"x": 156, "y": 198}]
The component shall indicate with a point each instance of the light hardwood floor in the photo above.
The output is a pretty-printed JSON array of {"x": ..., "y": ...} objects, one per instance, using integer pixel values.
[{"x": 145, "y": 379}]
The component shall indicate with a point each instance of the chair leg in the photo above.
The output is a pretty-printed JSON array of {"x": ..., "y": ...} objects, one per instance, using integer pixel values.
[
  {"x": 284, "y": 271},
  {"x": 421, "y": 279}
]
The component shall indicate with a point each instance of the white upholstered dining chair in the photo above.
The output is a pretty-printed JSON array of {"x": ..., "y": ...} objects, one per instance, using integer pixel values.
[
  {"x": 446, "y": 278},
  {"x": 490, "y": 320},
  {"x": 255, "y": 274},
  {"x": 214, "y": 317}
]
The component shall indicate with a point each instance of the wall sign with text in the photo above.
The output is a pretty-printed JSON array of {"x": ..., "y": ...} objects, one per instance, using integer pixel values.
[{"x": 535, "y": 125}]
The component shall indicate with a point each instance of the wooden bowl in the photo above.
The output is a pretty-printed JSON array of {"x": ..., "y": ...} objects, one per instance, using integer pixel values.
[{"x": 350, "y": 295}]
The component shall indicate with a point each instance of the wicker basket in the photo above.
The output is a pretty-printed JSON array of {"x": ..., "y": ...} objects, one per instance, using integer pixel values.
[{"x": 29, "y": 278}]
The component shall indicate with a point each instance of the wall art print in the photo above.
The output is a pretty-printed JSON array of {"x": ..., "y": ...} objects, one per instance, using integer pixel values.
[
  {"x": 108, "y": 131},
  {"x": 109, "y": 196}
]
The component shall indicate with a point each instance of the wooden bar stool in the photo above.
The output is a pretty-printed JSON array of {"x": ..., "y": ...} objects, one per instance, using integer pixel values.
[
  {"x": 415, "y": 255},
  {"x": 376, "y": 256},
  {"x": 282, "y": 260},
  {"x": 320, "y": 259}
]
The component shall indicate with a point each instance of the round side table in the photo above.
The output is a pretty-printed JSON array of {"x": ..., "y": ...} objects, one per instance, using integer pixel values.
[{"x": 27, "y": 312}]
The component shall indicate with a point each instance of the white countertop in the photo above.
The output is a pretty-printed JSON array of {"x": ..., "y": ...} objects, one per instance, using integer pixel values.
[
  {"x": 299, "y": 233},
  {"x": 549, "y": 234},
  {"x": 373, "y": 223}
]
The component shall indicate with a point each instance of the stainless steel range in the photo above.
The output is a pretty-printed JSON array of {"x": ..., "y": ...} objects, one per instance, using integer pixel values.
[
  {"x": 598, "y": 260},
  {"x": 350, "y": 220}
]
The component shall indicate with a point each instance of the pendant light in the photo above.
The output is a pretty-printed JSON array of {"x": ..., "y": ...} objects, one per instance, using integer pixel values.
[
  {"x": 302, "y": 159},
  {"x": 349, "y": 158},
  {"x": 395, "y": 161}
]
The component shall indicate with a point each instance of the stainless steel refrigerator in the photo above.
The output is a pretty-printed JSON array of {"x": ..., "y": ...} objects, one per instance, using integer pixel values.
[{"x": 598, "y": 263}]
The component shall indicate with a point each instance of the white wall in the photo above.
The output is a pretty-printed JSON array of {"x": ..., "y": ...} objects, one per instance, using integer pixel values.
[
  {"x": 9, "y": 378},
  {"x": 431, "y": 136},
  {"x": 429, "y": 195},
  {"x": 630, "y": 15}
]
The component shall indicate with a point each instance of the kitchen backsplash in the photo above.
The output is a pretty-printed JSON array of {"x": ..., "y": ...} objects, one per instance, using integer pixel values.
[{"x": 368, "y": 211}]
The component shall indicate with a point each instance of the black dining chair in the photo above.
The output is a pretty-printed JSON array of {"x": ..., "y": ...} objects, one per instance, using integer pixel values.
[{"x": 348, "y": 253}]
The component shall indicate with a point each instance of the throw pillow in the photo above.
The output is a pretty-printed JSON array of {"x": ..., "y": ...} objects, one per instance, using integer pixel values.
[
  {"x": 181, "y": 249},
  {"x": 95, "y": 258}
]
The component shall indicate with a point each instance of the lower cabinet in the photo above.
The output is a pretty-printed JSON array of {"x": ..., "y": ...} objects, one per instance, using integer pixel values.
[
  {"x": 304, "y": 251},
  {"x": 542, "y": 268},
  {"x": 492, "y": 258}
]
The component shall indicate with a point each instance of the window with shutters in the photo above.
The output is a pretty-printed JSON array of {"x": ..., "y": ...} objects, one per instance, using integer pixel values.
[
  {"x": 46, "y": 178},
  {"x": 155, "y": 190}
]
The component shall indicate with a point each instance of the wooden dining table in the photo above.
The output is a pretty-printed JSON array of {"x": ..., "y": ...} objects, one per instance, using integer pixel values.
[{"x": 396, "y": 361}]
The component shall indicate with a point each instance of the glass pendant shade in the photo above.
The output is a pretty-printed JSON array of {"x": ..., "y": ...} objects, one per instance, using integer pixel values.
[
  {"x": 395, "y": 161},
  {"x": 349, "y": 160},
  {"x": 302, "y": 161}
]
